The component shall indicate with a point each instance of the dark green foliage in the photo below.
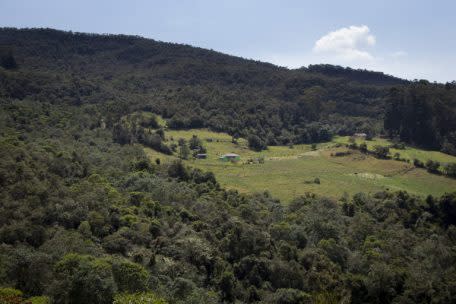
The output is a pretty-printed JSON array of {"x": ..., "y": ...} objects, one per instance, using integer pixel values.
[
  {"x": 7, "y": 60},
  {"x": 432, "y": 166},
  {"x": 132, "y": 129},
  {"x": 450, "y": 169},
  {"x": 184, "y": 150},
  {"x": 196, "y": 145},
  {"x": 381, "y": 151},
  {"x": 192, "y": 87},
  {"x": 85, "y": 215},
  {"x": 83, "y": 279},
  {"x": 448, "y": 209},
  {"x": 227, "y": 285},
  {"x": 423, "y": 114},
  {"x": 129, "y": 277},
  {"x": 418, "y": 163},
  {"x": 178, "y": 170},
  {"x": 256, "y": 143}
]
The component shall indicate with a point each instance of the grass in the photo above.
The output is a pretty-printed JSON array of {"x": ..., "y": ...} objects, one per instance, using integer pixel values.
[
  {"x": 287, "y": 173},
  {"x": 407, "y": 153}
]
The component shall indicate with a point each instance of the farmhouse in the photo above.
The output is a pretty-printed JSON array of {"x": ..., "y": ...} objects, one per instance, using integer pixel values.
[
  {"x": 230, "y": 157},
  {"x": 360, "y": 135}
]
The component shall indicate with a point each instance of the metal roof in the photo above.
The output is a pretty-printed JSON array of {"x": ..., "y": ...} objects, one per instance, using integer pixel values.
[{"x": 230, "y": 155}]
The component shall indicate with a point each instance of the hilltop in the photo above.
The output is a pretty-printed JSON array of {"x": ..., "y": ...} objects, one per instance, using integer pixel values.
[{"x": 193, "y": 87}]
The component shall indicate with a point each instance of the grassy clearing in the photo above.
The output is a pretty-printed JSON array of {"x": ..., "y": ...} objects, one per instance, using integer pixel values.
[
  {"x": 407, "y": 153},
  {"x": 287, "y": 172}
]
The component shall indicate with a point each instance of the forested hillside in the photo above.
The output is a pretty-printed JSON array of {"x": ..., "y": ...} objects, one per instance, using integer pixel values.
[
  {"x": 423, "y": 114},
  {"x": 86, "y": 217},
  {"x": 83, "y": 220},
  {"x": 194, "y": 87}
]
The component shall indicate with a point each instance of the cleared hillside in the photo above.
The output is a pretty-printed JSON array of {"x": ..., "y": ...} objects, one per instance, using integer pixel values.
[{"x": 290, "y": 172}]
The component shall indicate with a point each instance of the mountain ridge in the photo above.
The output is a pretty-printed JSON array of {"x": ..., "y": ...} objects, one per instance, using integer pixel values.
[{"x": 326, "y": 69}]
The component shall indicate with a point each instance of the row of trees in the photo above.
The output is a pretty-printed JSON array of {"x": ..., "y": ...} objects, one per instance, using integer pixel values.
[{"x": 423, "y": 114}]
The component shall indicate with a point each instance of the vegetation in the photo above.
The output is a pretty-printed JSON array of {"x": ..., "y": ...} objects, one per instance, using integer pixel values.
[
  {"x": 423, "y": 114},
  {"x": 285, "y": 172},
  {"x": 192, "y": 87},
  {"x": 86, "y": 216}
]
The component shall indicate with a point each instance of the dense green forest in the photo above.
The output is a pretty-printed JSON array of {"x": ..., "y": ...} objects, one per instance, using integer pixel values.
[
  {"x": 423, "y": 114},
  {"x": 194, "y": 87},
  {"x": 86, "y": 217}
]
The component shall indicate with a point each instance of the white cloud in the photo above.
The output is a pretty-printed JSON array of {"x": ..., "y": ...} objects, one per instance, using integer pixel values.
[{"x": 347, "y": 43}]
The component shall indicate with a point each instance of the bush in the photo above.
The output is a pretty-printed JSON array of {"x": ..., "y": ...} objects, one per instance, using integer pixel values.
[
  {"x": 432, "y": 166},
  {"x": 178, "y": 170},
  {"x": 10, "y": 296},
  {"x": 341, "y": 153},
  {"x": 130, "y": 277},
  {"x": 83, "y": 279},
  {"x": 381, "y": 152},
  {"x": 450, "y": 169},
  {"x": 256, "y": 143},
  {"x": 418, "y": 163}
]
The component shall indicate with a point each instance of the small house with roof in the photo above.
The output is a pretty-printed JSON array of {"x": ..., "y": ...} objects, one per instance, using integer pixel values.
[
  {"x": 360, "y": 135},
  {"x": 233, "y": 157},
  {"x": 201, "y": 156}
]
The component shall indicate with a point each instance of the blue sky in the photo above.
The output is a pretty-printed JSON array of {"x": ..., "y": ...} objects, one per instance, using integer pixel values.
[{"x": 410, "y": 39}]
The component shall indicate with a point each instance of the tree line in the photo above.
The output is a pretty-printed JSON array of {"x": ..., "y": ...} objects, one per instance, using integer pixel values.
[{"x": 424, "y": 115}]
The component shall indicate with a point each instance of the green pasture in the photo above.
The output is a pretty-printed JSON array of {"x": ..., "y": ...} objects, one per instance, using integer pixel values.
[
  {"x": 407, "y": 153},
  {"x": 289, "y": 172}
]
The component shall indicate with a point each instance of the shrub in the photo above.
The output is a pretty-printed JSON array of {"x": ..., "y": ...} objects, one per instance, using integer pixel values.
[
  {"x": 381, "y": 151},
  {"x": 418, "y": 163},
  {"x": 83, "y": 279},
  {"x": 256, "y": 143},
  {"x": 341, "y": 153},
  {"x": 10, "y": 296},
  {"x": 130, "y": 277},
  {"x": 450, "y": 169},
  {"x": 432, "y": 166}
]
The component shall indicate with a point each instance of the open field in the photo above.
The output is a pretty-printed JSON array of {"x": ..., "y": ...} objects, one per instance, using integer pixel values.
[
  {"x": 287, "y": 173},
  {"x": 407, "y": 153}
]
